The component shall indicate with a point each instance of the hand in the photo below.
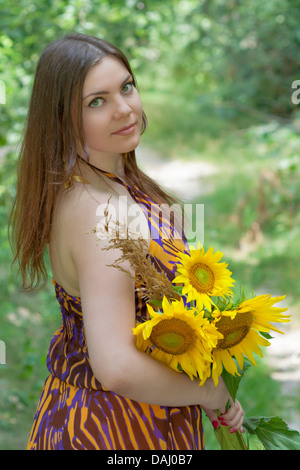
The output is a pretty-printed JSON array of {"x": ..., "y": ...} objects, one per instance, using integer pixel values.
[
  {"x": 216, "y": 396},
  {"x": 233, "y": 417}
]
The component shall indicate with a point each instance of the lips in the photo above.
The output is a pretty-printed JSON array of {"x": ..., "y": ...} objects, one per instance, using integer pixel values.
[{"x": 126, "y": 130}]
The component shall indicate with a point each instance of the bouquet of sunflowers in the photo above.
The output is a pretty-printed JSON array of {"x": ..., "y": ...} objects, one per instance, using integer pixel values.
[{"x": 196, "y": 325}]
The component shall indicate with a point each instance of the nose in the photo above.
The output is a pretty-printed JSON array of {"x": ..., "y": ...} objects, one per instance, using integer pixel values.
[{"x": 122, "y": 108}]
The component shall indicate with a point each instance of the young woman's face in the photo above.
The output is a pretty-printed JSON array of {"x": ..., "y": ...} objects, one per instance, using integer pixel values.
[{"x": 112, "y": 109}]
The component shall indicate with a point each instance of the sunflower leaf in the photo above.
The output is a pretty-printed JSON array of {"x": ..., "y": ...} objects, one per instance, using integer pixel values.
[
  {"x": 222, "y": 304},
  {"x": 228, "y": 405},
  {"x": 266, "y": 335},
  {"x": 273, "y": 433},
  {"x": 178, "y": 289},
  {"x": 232, "y": 382}
]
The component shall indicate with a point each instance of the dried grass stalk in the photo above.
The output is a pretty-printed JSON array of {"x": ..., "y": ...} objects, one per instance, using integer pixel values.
[{"x": 153, "y": 284}]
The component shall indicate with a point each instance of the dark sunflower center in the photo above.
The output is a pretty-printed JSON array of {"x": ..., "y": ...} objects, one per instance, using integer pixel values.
[
  {"x": 234, "y": 331},
  {"x": 202, "y": 278},
  {"x": 173, "y": 336}
]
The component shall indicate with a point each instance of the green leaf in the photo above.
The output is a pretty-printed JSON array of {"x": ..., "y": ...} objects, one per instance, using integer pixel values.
[
  {"x": 250, "y": 424},
  {"x": 178, "y": 289},
  {"x": 228, "y": 405},
  {"x": 273, "y": 433},
  {"x": 155, "y": 302},
  {"x": 266, "y": 335},
  {"x": 232, "y": 382},
  {"x": 222, "y": 303}
]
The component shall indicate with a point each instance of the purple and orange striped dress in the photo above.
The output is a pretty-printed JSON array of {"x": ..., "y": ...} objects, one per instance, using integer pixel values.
[{"x": 75, "y": 411}]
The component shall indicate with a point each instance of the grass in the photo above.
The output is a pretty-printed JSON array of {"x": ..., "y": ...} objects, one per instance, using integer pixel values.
[{"x": 256, "y": 182}]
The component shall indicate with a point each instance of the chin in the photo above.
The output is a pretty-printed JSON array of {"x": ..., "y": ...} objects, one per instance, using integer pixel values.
[{"x": 132, "y": 146}]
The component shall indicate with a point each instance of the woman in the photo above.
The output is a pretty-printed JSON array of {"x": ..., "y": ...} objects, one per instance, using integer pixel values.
[{"x": 84, "y": 123}]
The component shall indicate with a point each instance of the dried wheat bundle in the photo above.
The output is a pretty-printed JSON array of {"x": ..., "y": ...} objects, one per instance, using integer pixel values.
[{"x": 152, "y": 283}]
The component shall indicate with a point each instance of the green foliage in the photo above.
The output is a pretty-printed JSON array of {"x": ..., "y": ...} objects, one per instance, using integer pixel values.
[
  {"x": 232, "y": 382},
  {"x": 273, "y": 433},
  {"x": 233, "y": 56}
]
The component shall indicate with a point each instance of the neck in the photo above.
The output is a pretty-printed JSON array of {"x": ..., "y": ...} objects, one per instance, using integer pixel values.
[{"x": 114, "y": 166}]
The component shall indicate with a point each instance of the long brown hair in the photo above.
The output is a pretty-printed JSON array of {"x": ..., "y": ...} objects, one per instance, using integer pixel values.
[{"x": 48, "y": 151}]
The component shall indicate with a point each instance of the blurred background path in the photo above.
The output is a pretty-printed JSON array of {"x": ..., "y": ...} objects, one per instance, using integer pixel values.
[{"x": 187, "y": 179}]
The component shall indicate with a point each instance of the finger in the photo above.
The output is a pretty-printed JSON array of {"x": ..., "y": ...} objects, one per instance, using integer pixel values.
[
  {"x": 231, "y": 411},
  {"x": 213, "y": 417},
  {"x": 234, "y": 418},
  {"x": 237, "y": 422},
  {"x": 235, "y": 407}
]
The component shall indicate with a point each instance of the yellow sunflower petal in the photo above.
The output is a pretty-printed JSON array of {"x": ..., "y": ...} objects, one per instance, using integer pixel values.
[
  {"x": 217, "y": 366},
  {"x": 263, "y": 312},
  {"x": 239, "y": 355},
  {"x": 250, "y": 344},
  {"x": 179, "y": 279},
  {"x": 229, "y": 363}
]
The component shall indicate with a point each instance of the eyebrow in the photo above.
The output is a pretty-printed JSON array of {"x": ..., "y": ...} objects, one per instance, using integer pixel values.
[{"x": 107, "y": 92}]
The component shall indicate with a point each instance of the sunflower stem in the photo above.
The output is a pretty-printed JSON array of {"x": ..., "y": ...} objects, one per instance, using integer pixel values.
[{"x": 229, "y": 441}]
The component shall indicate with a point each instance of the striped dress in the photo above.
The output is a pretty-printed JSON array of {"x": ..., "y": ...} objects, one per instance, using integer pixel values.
[{"x": 75, "y": 411}]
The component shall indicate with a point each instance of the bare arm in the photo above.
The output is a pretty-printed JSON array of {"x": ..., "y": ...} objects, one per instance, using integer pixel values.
[{"x": 108, "y": 305}]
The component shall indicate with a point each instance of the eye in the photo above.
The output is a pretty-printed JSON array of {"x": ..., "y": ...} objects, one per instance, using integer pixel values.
[
  {"x": 128, "y": 87},
  {"x": 96, "y": 103}
]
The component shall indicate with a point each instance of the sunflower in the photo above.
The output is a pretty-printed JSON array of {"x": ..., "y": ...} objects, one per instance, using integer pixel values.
[
  {"x": 240, "y": 328},
  {"x": 203, "y": 276},
  {"x": 180, "y": 338}
]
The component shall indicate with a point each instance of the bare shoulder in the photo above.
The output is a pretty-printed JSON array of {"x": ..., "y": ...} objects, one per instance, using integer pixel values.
[
  {"x": 83, "y": 212},
  {"x": 86, "y": 208},
  {"x": 75, "y": 214},
  {"x": 81, "y": 209},
  {"x": 76, "y": 249}
]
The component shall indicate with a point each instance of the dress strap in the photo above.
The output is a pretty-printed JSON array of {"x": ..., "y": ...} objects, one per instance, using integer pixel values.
[
  {"x": 106, "y": 173},
  {"x": 77, "y": 178}
]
